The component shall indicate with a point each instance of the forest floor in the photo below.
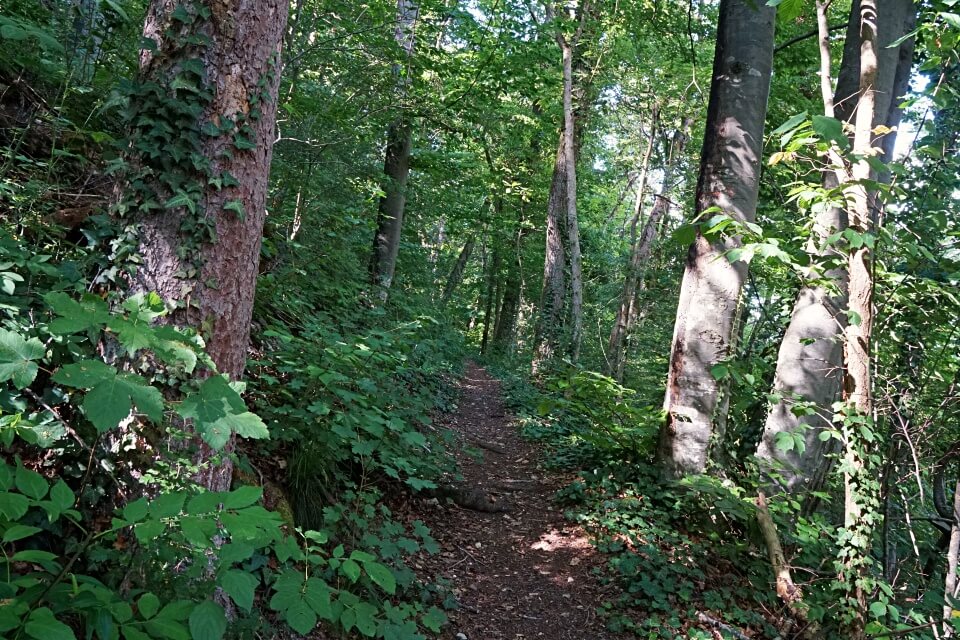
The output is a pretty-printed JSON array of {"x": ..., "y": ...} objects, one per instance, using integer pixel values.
[{"x": 522, "y": 571}]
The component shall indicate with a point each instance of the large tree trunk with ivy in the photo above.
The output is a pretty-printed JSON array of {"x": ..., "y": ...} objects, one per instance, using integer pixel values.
[
  {"x": 549, "y": 323},
  {"x": 858, "y": 377},
  {"x": 810, "y": 360},
  {"x": 396, "y": 165},
  {"x": 706, "y": 324},
  {"x": 203, "y": 130}
]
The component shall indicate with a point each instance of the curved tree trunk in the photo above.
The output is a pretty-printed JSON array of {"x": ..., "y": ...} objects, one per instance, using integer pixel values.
[
  {"x": 211, "y": 280},
  {"x": 704, "y": 332}
]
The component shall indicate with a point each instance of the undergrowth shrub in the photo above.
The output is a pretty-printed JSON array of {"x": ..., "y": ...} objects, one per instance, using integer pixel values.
[{"x": 85, "y": 556}]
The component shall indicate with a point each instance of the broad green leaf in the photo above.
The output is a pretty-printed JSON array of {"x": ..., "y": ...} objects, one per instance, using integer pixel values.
[
  {"x": 19, "y": 532},
  {"x": 113, "y": 398},
  {"x": 831, "y": 129},
  {"x": 13, "y": 506},
  {"x": 792, "y": 123},
  {"x": 317, "y": 596},
  {"x": 34, "y": 555},
  {"x": 31, "y": 483},
  {"x": 242, "y": 497},
  {"x": 147, "y": 531},
  {"x": 136, "y": 510},
  {"x": 208, "y": 621},
  {"x": 17, "y": 357},
  {"x": 134, "y": 334},
  {"x": 350, "y": 569},
  {"x": 84, "y": 374},
  {"x": 301, "y": 617},
  {"x": 434, "y": 619},
  {"x": 167, "y": 505},
  {"x": 89, "y": 313},
  {"x": 43, "y": 625},
  {"x": 148, "y": 605},
  {"x": 61, "y": 495},
  {"x": 248, "y": 425},
  {"x": 240, "y": 586},
  {"x": 382, "y": 576}
]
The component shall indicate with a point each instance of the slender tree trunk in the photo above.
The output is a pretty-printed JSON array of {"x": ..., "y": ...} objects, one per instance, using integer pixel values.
[
  {"x": 953, "y": 554},
  {"x": 396, "y": 165},
  {"x": 573, "y": 226},
  {"x": 704, "y": 333},
  {"x": 504, "y": 333},
  {"x": 810, "y": 361},
  {"x": 858, "y": 377},
  {"x": 489, "y": 312},
  {"x": 619, "y": 330},
  {"x": 640, "y": 253},
  {"x": 211, "y": 281},
  {"x": 459, "y": 267}
]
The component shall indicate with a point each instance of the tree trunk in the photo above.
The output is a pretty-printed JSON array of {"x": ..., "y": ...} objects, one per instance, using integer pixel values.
[
  {"x": 810, "y": 361},
  {"x": 489, "y": 312},
  {"x": 640, "y": 253},
  {"x": 396, "y": 165},
  {"x": 710, "y": 290},
  {"x": 953, "y": 553},
  {"x": 858, "y": 377},
  {"x": 504, "y": 333},
  {"x": 552, "y": 296},
  {"x": 618, "y": 332},
  {"x": 201, "y": 253},
  {"x": 573, "y": 227},
  {"x": 459, "y": 267}
]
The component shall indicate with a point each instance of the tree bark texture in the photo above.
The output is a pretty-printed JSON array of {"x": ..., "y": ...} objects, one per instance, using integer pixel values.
[
  {"x": 858, "y": 377},
  {"x": 242, "y": 66},
  {"x": 489, "y": 312},
  {"x": 504, "y": 333},
  {"x": 704, "y": 332},
  {"x": 810, "y": 360},
  {"x": 396, "y": 165},
  {"x": 459, "y": 267},
  {"x": 553, "y": 294},
  {"x": 573, "y": 226},
  {"x": 953, "y": 554}
]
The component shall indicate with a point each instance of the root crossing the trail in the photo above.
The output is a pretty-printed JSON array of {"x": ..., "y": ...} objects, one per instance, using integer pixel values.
[{"x": 519, "y": 572}]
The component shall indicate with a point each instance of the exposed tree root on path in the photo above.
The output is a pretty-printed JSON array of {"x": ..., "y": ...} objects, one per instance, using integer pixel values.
[{"x": 523, "y": 573}]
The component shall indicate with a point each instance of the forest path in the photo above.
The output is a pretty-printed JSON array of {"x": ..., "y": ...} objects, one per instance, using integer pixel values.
[{"x": 519, "y": 574}]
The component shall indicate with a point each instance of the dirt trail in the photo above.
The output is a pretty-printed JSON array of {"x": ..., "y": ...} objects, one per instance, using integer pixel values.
[{"x": 520, "y": 574}]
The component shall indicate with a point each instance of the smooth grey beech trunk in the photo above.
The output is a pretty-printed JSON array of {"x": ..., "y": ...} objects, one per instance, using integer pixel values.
[
  {"x": 396, "y": 165},
  {"x": 706, "y": 323},
  {"x": 244, "y": 47},
  {"x": 810, "y": 360}
]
